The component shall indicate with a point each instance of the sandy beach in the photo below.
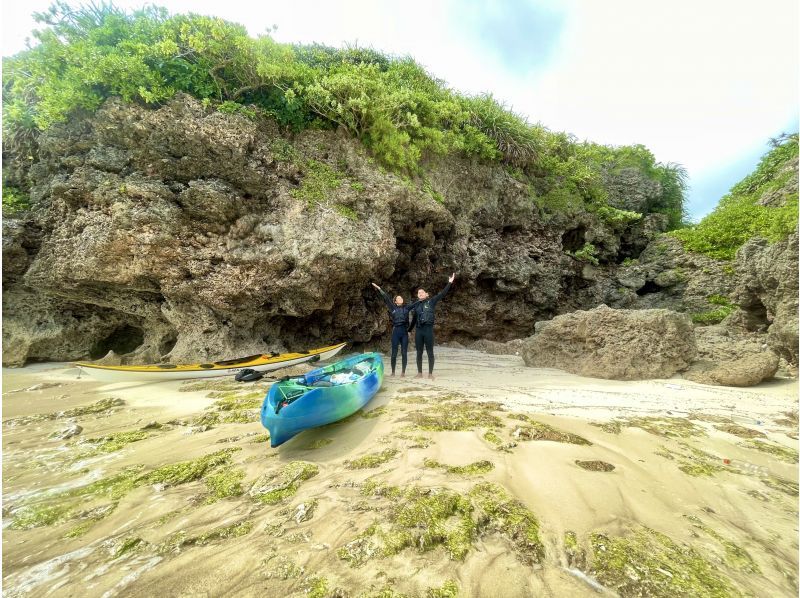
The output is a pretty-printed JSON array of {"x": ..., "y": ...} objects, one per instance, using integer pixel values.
[{"x": 495, "y": 479}]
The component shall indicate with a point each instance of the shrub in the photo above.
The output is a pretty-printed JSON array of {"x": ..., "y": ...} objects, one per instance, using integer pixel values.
[
  {"x": 14, "y": 201},
  {"x": 392, "y": 104},
  {"x": 587, "y": 253},
  {"x": 739, "y": 217}
]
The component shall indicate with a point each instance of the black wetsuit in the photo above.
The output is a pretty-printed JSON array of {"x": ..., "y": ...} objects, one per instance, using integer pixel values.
[
  {"x": 423, "y": 316},
  {"x": 400, "y": 329}
]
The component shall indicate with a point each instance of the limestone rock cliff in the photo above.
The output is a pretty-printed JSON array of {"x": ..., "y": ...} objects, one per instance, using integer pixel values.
[{"x": 184, "y": 233}]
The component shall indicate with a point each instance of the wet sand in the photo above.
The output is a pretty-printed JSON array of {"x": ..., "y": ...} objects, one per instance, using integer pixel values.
[{"x": 466, "y": 485}]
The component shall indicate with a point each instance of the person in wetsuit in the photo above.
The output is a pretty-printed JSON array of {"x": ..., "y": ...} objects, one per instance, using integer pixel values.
[
  {"x": 399, "y": 314},
  {"x": 422, "y": 315}
]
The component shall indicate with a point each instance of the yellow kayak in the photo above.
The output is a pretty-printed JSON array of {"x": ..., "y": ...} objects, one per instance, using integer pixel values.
[{"x": 168, "y": 371}]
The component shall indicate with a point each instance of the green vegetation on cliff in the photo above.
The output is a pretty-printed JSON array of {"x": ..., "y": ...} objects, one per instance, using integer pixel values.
[
  {"x": 763, "y": 204},
  {"x": 399, "y": 111}
]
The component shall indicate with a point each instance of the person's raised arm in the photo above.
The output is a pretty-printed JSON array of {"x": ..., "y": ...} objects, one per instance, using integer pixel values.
[
  {"x": 444, "y": 291},
  {"x": 384, "y": 295}
]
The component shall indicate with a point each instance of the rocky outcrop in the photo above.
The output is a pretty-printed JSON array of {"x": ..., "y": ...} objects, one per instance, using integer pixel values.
[
  {"x": 666, "y": 276},
  {"x": 728, "y": 357},
  {"x": 767, "y": 292},
  {"x": 629, "y": 189},
  {"x": 185, "y": 234},
  {"x": 614, "y": 344}
]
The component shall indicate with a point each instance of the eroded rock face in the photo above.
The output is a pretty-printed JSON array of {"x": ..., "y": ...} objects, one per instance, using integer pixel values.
[
  {"x": 666, "y": 276},
  {"x": 766, "y": 291},
  {"x": 183, "y": 234},
  {"x": 202, "y": 235},
  {"x": 614, "y": 344}
]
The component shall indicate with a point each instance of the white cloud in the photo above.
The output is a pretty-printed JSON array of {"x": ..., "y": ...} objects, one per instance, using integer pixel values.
[{"x": 699, "y": 83}]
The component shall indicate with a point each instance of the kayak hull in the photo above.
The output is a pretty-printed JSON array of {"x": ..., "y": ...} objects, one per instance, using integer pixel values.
[
  {"x": 319, "y": 406},
  {"x": 161, "y": 372}
]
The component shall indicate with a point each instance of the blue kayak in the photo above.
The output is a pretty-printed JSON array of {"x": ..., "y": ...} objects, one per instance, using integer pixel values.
[{"x": 322, "y": 396}]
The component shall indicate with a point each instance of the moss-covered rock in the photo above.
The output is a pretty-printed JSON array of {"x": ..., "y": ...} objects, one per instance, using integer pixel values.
[
  {"x": 179, "y": 540},
  {"x": 187, "y": 471},
  {"x": 669, "y": 427},
  {"x": 40, "y": 515},
  {"x": 128, "y": 545},
  {"x": 612, "y": 427},
  {"x": 576, "y": 556},
  {"x": 448, "y": 590},
  {"x": 315, "y": 586},
  {"x": 694, "y": 461},
  {"x": 235, "y": 401},
  {"x": 280, "y": 566}
]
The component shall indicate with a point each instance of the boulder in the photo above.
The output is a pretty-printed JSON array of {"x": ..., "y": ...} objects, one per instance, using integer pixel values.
[
  {"x": 613, "y": 343},
  {"x": 744, "y": 371},
  {"x": 728, "y": 357}
]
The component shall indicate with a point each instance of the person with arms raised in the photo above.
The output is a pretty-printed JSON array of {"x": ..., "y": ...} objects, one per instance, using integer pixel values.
[
  {"x": 422, "y": 316},
  {"x": 400, "y": 328}
]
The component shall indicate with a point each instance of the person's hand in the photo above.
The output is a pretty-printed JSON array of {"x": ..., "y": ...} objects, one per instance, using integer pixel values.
[
  {"x": 376, "y": 286},
  {"x": 452, "y": 277}
]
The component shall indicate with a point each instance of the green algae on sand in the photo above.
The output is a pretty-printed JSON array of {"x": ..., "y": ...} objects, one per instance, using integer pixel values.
[
  {"x": 735, "y": 557},
  {"x": 595, "y": 465},
  {"x": 274, "y": 487},
  {"x": 649, "y": 563},
  {"x": 372, "y": 460},
  {"x": 534, "y": 430},
  {"x": 101, "y": 406},
  {"x": 456, "y": 416},
  {"x": 492, "y": 437},
  {"x": 425, "y": 518},
  {"x": 784, "y": 453},
  {"x": 476, "y": 468},
  {"x": 66, "y": 505}
]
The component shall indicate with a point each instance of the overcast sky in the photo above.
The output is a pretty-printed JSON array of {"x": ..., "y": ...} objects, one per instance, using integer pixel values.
[{"x": 704, "y": 83}]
